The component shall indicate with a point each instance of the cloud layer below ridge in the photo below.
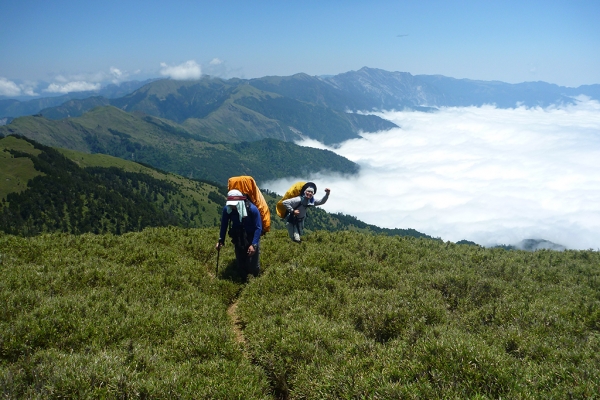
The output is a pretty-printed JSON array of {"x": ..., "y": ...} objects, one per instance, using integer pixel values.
[{"x": 489, "y": 175}]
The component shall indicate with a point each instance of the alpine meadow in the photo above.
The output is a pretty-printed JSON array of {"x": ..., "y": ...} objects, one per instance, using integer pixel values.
[
  {"x": 112, "y": 286},
  {"x": 344, "y": 315}
]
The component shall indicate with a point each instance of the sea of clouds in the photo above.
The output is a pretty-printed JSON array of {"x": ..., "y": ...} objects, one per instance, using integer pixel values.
[{"x": 488, "y": 175}]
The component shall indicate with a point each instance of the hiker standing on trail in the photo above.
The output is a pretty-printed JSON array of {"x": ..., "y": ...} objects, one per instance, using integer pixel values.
[
  {"x": 245, "y": 230},
  {"x": 297, "y": 207}
]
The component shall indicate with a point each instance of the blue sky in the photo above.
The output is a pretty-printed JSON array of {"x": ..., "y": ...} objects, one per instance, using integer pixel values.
[{"x": 53, "y": 46}]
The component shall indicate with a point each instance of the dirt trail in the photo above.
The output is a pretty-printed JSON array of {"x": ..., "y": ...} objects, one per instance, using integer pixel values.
[{"x": 237, "y": 325}]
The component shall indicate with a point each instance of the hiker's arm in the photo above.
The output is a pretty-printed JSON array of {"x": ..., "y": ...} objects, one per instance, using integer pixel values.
[
  {"x": 257, "y": 225},
  {"x": 324, "y": 199},
  {"x": 291, "y": 203},
  {"x": 223, "y": 230}
]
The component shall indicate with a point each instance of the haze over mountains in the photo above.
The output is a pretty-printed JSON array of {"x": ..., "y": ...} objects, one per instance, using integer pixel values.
[
  {"x": 19, "y": 106},
  {"x": 364, "y": 90},
  {"x": 213, "y": 128}
]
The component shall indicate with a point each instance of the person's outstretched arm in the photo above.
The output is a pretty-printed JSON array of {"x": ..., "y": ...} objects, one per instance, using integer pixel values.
[{"x": 324, "y": 198}]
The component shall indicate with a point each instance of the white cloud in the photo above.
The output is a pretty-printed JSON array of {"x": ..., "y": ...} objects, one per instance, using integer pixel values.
[
  {"x": 68, "y": 87},
  {"x": 29, "y": 90},
  {"x": 187, "y": 70},
  {"x": 117, "y": 75},
  {"x": 493, "y": 176},
  {"x": 89, "y": 80},
  {"x": 9, "y": 88},
  {"x": 220, "y": 68},
  {"x": 67, "y": 83},
  {"x": 116, "y": 72},
  {"x": 62, "y": 79}
]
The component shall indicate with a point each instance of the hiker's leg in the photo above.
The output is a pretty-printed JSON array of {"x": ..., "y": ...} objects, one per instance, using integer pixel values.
[
  {"x": 300, "y": 227},
  {"x": 297, "y": 231},
  {"x": 254, "y": 263},
  {"x": 241, "y": 255},
  {"x": 293, "y": 231}
]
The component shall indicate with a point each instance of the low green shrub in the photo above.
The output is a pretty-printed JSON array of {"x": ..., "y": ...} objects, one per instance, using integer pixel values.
[
  {"x": 138, "y": 315},
  {"x": 349, "y": 315},
  {"x": 341, "y": 315}
]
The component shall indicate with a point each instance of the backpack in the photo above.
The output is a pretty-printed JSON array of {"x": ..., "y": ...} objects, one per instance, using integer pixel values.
[
  {"x": 248, "y": 187},
  {"x": 294, "y": 191}
]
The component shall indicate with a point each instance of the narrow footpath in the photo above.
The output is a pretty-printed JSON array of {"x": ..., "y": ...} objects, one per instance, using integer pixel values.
[{"x": 237, "y": 326}]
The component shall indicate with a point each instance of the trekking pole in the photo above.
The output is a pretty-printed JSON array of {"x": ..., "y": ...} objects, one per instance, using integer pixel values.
[{"x": 218, "y": 254}]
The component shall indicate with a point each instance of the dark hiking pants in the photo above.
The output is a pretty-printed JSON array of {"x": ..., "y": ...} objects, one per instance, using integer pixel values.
[{"x": 247, "y": 265}]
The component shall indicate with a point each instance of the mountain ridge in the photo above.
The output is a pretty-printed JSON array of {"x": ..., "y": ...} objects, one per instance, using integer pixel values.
[
  {"x": 11, "y": 107},
  {"x": 168, "y": 146},
  {"x": 365, "y": 89},
  {"x": 216, "y": 111}
]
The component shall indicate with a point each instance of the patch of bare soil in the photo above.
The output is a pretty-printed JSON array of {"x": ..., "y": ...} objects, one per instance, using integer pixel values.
[{"x": 237, "y": 326}]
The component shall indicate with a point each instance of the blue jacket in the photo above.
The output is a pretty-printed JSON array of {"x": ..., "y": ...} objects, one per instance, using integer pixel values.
[{"x": 252, "y": 223}]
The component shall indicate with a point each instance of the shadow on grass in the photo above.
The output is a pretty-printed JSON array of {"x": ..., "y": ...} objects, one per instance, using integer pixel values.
[{"x": 231, "y": 272}]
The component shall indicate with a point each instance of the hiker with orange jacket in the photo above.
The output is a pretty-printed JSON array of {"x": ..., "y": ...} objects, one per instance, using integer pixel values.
[
  {"x": 297, "y": 207},
  {"x": 245, "y": 231}
]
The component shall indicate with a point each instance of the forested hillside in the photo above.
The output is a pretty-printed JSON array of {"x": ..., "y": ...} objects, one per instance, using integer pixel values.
[
  {"x": 61, "y": 196},
  {"x": 43, "y": 189}
]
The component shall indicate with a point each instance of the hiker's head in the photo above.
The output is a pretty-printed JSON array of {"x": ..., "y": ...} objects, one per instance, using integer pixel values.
[
  {"x": 308, "y": 187},
  {"x": 309, "y": 192},
  {"x": 234, "y": 197}
]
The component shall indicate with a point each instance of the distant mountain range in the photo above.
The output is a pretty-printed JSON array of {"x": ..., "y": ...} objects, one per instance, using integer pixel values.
[
  {"x": 211, "y": 128},
  {"x": 363, "y": 90},
  {"x": 17, "y": 108}
]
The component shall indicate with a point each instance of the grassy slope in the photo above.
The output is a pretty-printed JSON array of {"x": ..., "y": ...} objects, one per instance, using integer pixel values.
[
  {"x": 352, "y": 316},
  {"x": 205, "y": 108},
  {"x": 192, "y": 196},
  {"x": 51, "y": 133},
  {"x": 343, "y": 315},
  {"x": 14, "y": 173},
  {"x": 111, "y": 317},
  {"x": 170, "y": 147},
  {"x": 233, "y": 122}
]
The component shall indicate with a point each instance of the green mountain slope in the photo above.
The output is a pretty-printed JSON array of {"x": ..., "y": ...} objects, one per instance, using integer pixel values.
[
  {"x": 43, "y": 189},
  {"x": 46, "y": 191},
  {"x": 179, "y": 100},
  {"x": 240, "y": 110},
  {"x": 170, "y": 147},
  {"x": 344, "y": 315},
  {"x": 74, "y": 108},
  {"x": 234, "y": 111}
]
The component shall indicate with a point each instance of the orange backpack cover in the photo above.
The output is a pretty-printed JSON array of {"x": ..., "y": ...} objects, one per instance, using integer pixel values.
[{"x": 247, "y": 185}]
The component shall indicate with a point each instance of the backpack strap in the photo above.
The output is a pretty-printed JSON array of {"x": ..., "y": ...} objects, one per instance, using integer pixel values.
[{"x": 247, "y": 203}]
